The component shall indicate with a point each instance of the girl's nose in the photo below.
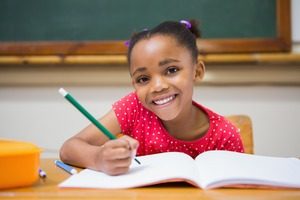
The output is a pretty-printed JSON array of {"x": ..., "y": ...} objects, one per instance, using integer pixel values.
[{"x": 158, "y": 84}]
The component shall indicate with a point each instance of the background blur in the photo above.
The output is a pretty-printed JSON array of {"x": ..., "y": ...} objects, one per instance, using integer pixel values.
[{"x": 268, "y": 93}]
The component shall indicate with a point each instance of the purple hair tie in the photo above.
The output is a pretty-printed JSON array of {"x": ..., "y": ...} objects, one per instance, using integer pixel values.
[
  {"x": 187, "y": 24},
  {"x": 127, "y": 43}
]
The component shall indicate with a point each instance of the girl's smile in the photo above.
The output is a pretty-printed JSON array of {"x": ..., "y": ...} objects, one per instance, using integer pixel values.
[{"x": 164, "y": 100}]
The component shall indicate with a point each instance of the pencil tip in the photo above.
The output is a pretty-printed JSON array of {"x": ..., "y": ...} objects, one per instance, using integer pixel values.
[{"x": 136, "y": 160}]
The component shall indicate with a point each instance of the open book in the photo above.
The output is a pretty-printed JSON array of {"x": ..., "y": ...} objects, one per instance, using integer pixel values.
[{"x": 210, "y": 169}]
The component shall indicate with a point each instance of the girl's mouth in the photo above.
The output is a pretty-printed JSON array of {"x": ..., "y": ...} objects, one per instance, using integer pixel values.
[{"x": 164, "y": 100}]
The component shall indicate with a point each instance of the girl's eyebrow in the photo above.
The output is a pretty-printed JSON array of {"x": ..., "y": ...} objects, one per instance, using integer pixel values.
[
  {"x": 167, "y": 61},
  {"x": 140, "y": 69}
]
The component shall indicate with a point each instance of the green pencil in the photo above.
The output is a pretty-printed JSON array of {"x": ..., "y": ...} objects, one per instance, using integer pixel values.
[{"x": 73, "y": 101}]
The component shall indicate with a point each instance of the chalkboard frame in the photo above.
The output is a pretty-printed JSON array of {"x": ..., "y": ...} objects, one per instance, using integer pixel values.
[{"x": 281, "y": 43}]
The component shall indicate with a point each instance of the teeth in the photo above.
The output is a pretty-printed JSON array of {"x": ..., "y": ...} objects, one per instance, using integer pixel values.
[{"x": 163, "y": 101}]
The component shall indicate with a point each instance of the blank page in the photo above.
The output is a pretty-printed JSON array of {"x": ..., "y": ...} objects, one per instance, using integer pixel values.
[{"x": 220, "y": 167}]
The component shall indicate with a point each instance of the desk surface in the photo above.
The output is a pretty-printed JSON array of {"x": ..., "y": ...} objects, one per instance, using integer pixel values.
[{"x": 47, "y": 189}]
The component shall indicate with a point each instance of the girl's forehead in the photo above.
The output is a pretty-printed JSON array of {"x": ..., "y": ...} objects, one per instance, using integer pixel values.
[
  {"x": 154, "y": 47},
  {"x": 155, "y": 43},
  {"x": 158, "y": 38},
  {"x": 155, "y": 50}
]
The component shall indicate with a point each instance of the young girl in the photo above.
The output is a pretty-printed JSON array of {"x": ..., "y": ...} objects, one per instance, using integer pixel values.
[{"x": 160, "y": 115}]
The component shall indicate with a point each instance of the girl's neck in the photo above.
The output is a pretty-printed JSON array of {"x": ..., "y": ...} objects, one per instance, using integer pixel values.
[{"x": 191, "y": 125}]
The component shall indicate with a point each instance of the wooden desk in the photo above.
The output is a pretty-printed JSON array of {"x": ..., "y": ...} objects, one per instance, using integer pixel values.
[{"x": 47, "y": 189}]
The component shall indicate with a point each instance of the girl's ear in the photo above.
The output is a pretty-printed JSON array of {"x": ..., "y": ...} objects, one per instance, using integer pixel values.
[{"x": 200, "y": 71}]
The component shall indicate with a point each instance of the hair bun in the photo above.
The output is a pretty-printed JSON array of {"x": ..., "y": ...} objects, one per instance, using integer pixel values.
[{"x": 192, "y": 25}]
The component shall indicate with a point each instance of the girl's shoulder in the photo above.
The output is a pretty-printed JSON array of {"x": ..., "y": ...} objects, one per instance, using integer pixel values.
[
  {"x": 214, "y": 117},
  {"x": 130, "y": 97}
]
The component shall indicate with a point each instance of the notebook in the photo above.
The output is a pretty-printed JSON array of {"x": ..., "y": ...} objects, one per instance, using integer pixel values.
[{"x": 211, "y": 169}]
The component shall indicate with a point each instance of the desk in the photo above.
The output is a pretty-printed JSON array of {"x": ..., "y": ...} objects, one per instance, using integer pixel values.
[{"x": 47, "y": 189}]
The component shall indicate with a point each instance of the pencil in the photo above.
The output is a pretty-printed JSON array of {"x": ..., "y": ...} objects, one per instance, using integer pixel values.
[{"x": 73, "y": 101}]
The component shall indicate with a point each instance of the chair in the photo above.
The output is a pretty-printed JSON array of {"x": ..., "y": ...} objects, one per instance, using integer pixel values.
[{"x": 244, "y": 124}]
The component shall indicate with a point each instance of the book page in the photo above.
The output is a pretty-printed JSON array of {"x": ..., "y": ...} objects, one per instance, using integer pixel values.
[
  {"x": 221, "y": 168},
  {"x": 156, "y": 168}
]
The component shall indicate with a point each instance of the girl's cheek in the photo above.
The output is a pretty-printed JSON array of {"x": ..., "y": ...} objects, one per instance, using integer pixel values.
[{"x": 142, "y": 96}]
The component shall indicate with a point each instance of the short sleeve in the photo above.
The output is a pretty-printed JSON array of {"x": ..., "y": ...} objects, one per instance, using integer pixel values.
[{"x": 126, "y": 110}]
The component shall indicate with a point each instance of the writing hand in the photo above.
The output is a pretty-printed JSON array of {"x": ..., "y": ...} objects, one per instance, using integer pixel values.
[{"x": 115, "y": 156}]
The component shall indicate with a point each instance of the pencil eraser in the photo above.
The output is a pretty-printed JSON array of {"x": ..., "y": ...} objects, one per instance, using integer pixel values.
[{"x": 63, "y": 92}]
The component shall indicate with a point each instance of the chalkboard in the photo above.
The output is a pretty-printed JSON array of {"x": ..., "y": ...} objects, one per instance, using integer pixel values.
[{"x": 99, "y": 26}]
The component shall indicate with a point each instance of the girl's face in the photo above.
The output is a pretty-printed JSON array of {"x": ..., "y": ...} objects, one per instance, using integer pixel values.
[{"x": 163, "y": 74}]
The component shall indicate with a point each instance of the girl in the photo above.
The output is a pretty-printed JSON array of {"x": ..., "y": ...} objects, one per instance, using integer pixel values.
[{"x": 160, "y": 115}]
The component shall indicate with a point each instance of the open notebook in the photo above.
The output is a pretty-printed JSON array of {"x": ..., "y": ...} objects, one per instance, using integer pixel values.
[{"x": 210, "y": 169}]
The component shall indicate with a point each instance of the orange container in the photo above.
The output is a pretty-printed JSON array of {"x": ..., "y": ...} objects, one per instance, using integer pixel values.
[{"x": 19, "y": 163}]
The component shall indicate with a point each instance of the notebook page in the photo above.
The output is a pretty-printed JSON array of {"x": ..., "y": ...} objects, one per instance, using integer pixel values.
[
  {"x": 220, "y": 167},
  {"x": 153, "y": 169}
]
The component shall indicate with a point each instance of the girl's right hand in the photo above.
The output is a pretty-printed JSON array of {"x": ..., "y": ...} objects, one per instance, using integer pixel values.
[{"x": 115, "y": 156}]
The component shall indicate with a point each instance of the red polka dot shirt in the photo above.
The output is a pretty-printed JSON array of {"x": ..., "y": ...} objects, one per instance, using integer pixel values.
[{"x": 138, "y": 122}]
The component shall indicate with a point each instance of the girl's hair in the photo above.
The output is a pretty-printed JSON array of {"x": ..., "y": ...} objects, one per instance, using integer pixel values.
[{"x": 185, "y": 36}]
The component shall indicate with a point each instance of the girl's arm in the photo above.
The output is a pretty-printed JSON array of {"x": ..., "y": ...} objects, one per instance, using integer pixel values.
[{"x": 90, "y": 148}]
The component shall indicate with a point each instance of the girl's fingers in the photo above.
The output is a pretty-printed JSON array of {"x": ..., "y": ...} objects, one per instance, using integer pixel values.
[
  {"x": 116, "y": 155},
  {"x": 121, "y": 153},
  {"x": 122, "y": 147},
  {"x": 114, "y": 165},
  {"x": 116, "y": 149},
  {"x": 121, "y": 163},
  {"x": 133, "y": 143}
]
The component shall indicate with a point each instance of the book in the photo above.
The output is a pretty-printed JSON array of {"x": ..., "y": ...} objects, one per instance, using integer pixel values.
[{"x": 211, "y": 169}]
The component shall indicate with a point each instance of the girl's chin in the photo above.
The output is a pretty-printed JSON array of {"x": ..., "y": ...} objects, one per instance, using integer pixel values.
[
  {"x": 166, "y": 113},
  {"x": 166, "y": 116}
]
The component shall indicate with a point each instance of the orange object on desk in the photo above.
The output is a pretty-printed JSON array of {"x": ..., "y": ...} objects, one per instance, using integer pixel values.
[{"x": 19, "y": 163}]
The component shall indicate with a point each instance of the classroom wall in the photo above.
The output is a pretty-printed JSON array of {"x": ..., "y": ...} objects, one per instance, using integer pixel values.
[{"x": 39, "y": 114}]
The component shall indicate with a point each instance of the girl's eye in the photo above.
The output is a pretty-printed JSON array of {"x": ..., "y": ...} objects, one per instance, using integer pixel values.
[
  {"x": 172, "y": 70},
  {"x": 142, "y": 80}
]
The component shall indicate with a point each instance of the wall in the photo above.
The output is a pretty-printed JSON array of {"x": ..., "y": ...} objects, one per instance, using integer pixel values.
[{"x": 41, "y": 115}]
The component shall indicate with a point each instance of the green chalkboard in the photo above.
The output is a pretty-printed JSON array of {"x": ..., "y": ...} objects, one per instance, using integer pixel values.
[
  {"x": 52, "y": 20},
  {"x": 81, "y": 27}
]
